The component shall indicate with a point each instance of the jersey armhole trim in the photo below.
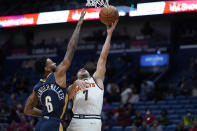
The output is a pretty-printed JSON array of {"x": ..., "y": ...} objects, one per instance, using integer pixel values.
[{"x": 97, "y": 84}]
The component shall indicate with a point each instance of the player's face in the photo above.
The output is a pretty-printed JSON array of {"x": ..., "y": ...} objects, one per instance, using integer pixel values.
[
  {"x": 82, "y": 73},
  {"x": 51, "y": 66}
]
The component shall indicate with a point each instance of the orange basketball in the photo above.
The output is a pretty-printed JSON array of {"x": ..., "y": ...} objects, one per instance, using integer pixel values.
[{"x": 108, "y": 15}]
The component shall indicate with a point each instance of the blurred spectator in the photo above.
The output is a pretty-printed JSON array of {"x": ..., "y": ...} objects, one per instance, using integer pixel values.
[
  {"x": 106, "y": 105},
  {"x": 123, "y": 119},
  {"x": 163, "y": 120},
  {"x": 133, "y": 97},
  {"x": 146, "y": 88},
  {"x": 125, "y": 94},
  {"x": 181, "y": 127},
  {"x": 4, "y": 111},
  {"x": 130, "y": 110},
  {"x": 189, "y": 118},
  {"x": 105, "y": 111},
  {"x": 14, "y": 116},
  {"x": 144, "y": 127},
  {"x": 194, "y": 91},
  {"x": 194, "y": 128},
  {"x": 24, "y": 125},
  {"x": 111, "y": 118},
  {"x": 113, "y": 92},
  {"x": 15, "y": 82},
  {"x": 156, "y": 127},
  {"x": 149, "y": 118},
  {"x": 13, "y": 126},
  {"x": 137, "y": 121},
  {"x": 19, "y": 107}
]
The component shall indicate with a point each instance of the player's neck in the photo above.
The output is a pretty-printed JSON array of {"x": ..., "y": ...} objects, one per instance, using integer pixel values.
[{"x": 46, "y": 75}]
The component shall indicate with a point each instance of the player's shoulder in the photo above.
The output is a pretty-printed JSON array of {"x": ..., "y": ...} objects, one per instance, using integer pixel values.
[
  {"x": 37, "y": 86},
  {"x": 98, "y": 83}
]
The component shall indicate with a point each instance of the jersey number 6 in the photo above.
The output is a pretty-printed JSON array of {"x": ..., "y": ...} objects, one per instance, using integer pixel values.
[
  {"x": 48, "y": 104},
  {"x": 86, "y": 94}
]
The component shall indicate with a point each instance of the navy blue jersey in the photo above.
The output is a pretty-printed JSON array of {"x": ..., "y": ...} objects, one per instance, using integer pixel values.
[{"x": 53, "y": 98}]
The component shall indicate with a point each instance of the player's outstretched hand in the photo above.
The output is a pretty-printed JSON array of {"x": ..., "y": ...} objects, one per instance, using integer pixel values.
[
  {"x": 80, "y": 22},
  {"x": 81, "y": 84},
  {"x": 111, "y": 28}
]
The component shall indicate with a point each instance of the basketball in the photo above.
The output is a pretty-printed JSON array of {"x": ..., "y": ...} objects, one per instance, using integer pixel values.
[{"x": 108, "y": 15}]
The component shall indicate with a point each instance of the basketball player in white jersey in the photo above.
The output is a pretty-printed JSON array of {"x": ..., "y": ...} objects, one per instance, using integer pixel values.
[{"x": 88, "y": 101}]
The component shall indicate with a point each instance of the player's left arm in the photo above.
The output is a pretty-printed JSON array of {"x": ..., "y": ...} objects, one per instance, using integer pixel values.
[
  {"x": 99, "y": 75},
  {"x": 30, "y": 107},
  {"x": 71, "y": 48}
]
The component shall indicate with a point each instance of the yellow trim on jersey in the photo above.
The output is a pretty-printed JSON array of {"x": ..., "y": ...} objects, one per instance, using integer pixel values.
[
  {"x": 60, "y": 127},
  {"x": 65, "y": 105},
  {"x": 43, "y": 80}
]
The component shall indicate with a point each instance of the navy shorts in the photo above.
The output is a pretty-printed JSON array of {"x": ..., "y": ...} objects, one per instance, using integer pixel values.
[{"x": 49, "y": 125}]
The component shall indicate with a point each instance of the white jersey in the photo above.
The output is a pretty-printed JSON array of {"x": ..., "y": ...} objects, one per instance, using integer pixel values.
[{"x": 88, "y": 100}]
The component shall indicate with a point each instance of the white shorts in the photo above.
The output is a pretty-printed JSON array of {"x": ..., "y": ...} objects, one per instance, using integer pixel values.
[{"x": 84, "y": 125}]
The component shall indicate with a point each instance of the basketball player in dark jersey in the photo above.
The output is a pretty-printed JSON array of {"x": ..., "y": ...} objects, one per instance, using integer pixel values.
[{"x": 51, "y": 91}]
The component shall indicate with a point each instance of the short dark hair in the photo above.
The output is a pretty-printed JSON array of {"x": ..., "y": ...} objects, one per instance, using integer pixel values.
[{"x": 40, "y": 65}]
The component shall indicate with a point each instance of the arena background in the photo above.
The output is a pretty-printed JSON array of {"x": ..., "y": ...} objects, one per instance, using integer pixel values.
[{"x": 152, "y": 65}]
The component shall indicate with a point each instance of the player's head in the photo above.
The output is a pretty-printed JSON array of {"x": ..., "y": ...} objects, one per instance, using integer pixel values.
[
  {"x": 83, "y": 73},
  {"x": 45, "y": 65}
]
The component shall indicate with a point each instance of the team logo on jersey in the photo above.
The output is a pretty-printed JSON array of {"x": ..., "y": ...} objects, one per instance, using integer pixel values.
[
  {"x": 52, "y": 87},
  {"x": 89, "y": 85}
]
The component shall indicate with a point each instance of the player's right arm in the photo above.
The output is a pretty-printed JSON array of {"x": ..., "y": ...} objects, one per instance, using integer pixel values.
[
  {"x": 99, "y": 75},
  {"x": 30, "y": 107},
  {"x": 72, "y": 45}
]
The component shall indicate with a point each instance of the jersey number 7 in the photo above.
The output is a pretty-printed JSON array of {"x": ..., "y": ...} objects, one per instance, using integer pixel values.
[{"x": 86, "y": 94}]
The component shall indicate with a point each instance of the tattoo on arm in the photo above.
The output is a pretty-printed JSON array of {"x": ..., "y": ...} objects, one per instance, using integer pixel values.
[
  {"x": 30, "y": 107},
  {"x": 72, "y": 46}
]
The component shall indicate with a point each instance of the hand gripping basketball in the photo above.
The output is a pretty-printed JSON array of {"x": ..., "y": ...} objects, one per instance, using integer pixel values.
[{"x": 111, "y": 28}]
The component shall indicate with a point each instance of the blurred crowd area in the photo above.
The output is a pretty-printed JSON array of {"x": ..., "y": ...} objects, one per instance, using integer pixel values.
[
  {"x": 138, "y": 34},
  {"x": 130, "y": 99}
]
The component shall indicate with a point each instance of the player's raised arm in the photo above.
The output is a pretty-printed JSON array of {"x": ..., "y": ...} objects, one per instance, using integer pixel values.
[
  {"x": 99, "y": 75},
  {"x": 72, "y": 46},
  {"x": 30, "y": 107}
]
